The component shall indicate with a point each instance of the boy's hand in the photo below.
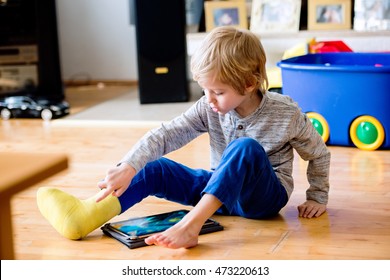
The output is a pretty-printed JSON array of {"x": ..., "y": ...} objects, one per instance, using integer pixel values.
[
  {"x": 311, "y": 208},
  {"x": 117, "y": 181}
]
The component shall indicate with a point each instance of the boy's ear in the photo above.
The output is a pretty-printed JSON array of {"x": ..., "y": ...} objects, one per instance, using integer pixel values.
[
  {"x": 250, "y": 88},
  {"x": 251, "y": 85}
]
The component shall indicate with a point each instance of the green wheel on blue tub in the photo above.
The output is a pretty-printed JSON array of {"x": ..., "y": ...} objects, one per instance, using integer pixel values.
[
  {"x": 367, "y": 133},
  {"x": 320, "y": 124}
]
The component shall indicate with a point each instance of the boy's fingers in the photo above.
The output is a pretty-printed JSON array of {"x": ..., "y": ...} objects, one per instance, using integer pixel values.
[
  {"x": 302, "y": 210},
  {"x": 103, "y": 194},
  {"x": 118, "y": 192},
  {"x": 101, "y": 185}
]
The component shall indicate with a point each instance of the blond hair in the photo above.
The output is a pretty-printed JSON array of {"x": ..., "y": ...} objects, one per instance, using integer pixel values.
[{"x": 236, "y": 57}]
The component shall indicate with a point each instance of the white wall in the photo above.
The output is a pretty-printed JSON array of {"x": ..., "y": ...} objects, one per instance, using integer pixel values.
[{"x": 96, "y": 40}]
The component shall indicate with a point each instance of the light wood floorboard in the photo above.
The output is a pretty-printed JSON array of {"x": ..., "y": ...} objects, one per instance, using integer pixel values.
[{"x": 356, "y": 226}]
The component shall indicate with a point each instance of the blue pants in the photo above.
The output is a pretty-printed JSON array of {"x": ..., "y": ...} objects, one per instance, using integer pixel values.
[{"x": 244, "y": 182}]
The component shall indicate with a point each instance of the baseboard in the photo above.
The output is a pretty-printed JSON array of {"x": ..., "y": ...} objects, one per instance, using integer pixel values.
[{"x": 73, "y": 83}]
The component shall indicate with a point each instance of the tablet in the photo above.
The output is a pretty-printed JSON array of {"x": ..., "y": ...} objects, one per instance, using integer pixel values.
[{"x": 134, "y": 231}]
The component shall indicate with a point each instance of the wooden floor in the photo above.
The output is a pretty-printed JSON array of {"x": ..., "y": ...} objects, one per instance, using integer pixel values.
[{"x": 356, "y": 226}]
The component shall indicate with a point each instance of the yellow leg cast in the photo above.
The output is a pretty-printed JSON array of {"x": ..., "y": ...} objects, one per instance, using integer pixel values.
[{"x": 74, "y": 218}]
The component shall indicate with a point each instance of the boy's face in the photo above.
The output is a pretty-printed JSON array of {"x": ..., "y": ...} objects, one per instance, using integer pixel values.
[{"x": 221, "y": 97}]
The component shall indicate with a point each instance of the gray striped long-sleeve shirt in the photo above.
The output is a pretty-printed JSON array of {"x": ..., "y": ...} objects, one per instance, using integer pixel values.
[{"x": 277, "y": 124}]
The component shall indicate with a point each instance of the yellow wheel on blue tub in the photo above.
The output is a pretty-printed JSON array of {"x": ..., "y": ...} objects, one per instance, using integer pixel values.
[
  {"x": 320, "y": 124},
  {"x": 367, "y": 133}
]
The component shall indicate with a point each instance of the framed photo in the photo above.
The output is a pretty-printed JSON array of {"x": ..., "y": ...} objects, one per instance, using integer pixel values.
[
  {"x": 329, "y": 14},
  {"x": 271, "y": 16},
  {"x": 225, "y": 13},
  {"x": 371, "y": 15}
]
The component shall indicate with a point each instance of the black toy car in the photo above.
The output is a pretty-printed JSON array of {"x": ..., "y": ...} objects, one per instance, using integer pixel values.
[{"x": 29, "y": 107}]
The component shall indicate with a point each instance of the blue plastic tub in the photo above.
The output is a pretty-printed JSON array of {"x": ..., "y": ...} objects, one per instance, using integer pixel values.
[{"x": 347, "y": 95}]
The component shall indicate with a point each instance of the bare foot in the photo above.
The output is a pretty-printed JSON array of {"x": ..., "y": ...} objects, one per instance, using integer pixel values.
[
  {"x": 178, "y": 236},
  {"x": 185, "y": 233}
]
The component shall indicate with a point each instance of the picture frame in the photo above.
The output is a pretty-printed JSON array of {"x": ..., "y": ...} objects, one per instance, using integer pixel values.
[
  {"x": 371, "y": 15},
  {"x": 329, "y": 15},
  {"x": 275, "y": 16},
  {"x": 225, "y": 13}
]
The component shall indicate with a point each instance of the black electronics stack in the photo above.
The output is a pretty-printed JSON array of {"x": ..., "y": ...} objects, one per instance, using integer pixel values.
[{"x": 29, "y": 52}]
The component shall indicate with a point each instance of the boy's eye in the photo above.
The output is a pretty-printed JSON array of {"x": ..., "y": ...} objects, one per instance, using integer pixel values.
[{"x": 205, "y": 91}]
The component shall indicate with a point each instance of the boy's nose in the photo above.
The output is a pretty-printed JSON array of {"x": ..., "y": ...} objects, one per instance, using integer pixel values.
[{"x": 208, "y": 96}]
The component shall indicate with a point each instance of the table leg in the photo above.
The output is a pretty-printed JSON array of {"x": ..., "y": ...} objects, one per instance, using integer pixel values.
[{"x": 6, "y": 232}]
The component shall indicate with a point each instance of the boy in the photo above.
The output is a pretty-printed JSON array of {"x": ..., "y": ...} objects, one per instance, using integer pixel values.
[{"x": 252, "y": 136}]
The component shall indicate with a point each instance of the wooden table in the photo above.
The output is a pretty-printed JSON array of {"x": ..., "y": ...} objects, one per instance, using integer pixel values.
[{"x": 19, "y": 171}]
